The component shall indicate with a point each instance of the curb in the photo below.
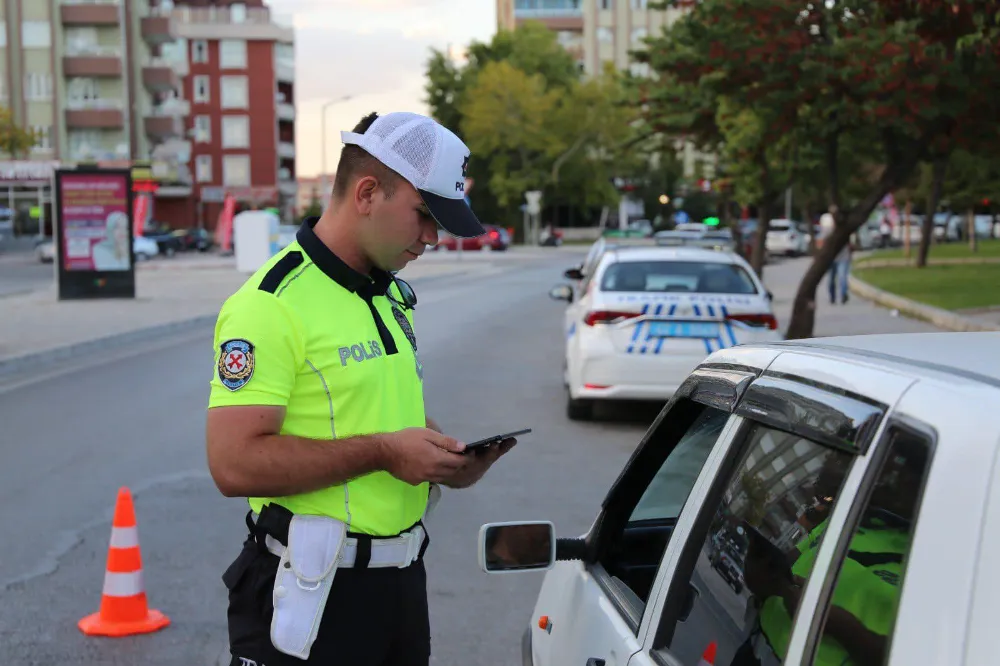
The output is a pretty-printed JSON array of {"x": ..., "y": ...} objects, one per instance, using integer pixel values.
[
  {"x": 907, "y": 263},
  {"x": 944, "y": 319},
  {"x": 50, "y": 357}
]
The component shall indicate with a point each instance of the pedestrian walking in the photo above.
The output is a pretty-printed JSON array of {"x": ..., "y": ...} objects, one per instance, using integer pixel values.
[
  {"x": 840, "y": 269},
  {"x": 316, "y": 414}
]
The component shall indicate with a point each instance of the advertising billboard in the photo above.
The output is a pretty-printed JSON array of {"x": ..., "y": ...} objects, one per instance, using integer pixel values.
[{"x": 94, "y": 233}]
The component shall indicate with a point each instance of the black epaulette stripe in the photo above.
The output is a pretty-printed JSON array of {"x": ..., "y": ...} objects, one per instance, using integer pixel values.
[{"x": 280, "y": 271}]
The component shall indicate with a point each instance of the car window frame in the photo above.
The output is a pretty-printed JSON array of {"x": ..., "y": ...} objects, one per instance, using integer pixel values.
[
  {"x": 828, "y": 582},
  {"x": 713, "y": 386},
  {"x": 757, "y": 406}
]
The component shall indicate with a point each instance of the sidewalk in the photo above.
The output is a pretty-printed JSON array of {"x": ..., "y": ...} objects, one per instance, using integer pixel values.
[{"x": 38, "y": 328}]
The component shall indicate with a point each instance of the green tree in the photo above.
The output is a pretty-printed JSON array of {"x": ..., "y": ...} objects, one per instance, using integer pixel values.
[
  {"x": 890, "y": 76},
  {"x": 14, "y": 140}
]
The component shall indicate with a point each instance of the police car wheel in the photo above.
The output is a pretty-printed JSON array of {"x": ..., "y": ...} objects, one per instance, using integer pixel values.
[{"x": 579, "y": 410}]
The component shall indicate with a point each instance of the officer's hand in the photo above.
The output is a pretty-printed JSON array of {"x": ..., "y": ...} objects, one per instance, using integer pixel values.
[
  {"x": 416, "y": 455},
  {"x": 479, "y": 463}
]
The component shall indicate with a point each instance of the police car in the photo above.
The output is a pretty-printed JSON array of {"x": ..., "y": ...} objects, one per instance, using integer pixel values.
[
  {"x": 853, "y": 482},
  {"x": 641, "y": 316}
]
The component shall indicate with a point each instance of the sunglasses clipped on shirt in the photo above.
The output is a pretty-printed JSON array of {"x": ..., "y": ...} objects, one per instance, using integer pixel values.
[{"x": 405, "y": 291}]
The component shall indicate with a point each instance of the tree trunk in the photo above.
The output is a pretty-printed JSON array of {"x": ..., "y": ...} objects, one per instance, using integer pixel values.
[
  {"x": 804, "y": 306},
  {"x": 973, "y": 244},
  {"x": 927, "y": 231},
  {"x": 760, "y": 237}
]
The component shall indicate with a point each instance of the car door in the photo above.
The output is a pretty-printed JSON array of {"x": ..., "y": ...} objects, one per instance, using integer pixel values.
[
  {"x": 591, "y": 611},
  {"x": 745, "y": 555}
]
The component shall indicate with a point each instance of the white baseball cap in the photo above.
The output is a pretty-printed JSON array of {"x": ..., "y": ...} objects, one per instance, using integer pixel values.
[{"x": 431, "y": 158}]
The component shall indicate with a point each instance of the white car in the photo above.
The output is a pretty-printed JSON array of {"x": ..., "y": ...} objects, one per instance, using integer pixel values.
[
  {"x": 851, "y": 483},
  {"x": 784, "y": 237},
  {"x": 644, "y": 316},
  {"x": 143, "y": 248}
]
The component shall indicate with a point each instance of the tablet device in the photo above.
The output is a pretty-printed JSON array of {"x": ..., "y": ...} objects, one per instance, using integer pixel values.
[{"x": 493, "y": 439}]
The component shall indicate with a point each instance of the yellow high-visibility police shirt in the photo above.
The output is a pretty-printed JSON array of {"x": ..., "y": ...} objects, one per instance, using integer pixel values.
[{"x": 335, "y": 348}]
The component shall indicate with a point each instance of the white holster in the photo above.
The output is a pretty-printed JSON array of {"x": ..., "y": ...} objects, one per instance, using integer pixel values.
[
  {"x": 317, "y": 547},
  {"x": 303, "y": 580}
]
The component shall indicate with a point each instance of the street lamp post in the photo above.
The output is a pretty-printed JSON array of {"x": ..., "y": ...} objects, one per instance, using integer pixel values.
[{"x": 323, "y": 183}]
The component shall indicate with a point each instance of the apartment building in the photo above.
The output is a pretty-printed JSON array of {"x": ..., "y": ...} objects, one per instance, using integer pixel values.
[
  {"x": 240, "y": 73},
  {"x": 87, "y": 76},
  {"x": 596, "y": 32}
]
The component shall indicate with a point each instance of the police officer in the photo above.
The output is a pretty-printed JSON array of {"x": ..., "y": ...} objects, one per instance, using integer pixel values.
[{"x": 316, "y": 413}]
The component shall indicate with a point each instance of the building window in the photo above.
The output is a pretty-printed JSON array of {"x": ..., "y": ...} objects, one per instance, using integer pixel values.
[
  {"x": 232, "y": 54},
  {"x": 3, "y": 33},
  {"x": 638, "y": 35},
  {"x": 203, "y": 168},
  {"x": 236, "y": 131},
  {"x": 201, "y": 88},
  {"x": 38, "y": 86},
  {"x": 43, "y": 140},
  {"x": 84, "y": 144},
  {"x": 36, "y": 35},
  {"x": 604, "y": 35},
  {"x": 639, "y": 4},
  {"x": 235, "y": 92},
  {"x": 607, "y": 4},
  {"x": 203, "y": 129},
  {"x": 81, "y": 40},
  {"x": 237, "y": 12},
  {"x": 81, "y": 90},
  {"x": 236, "y": 170},
  {"x": 199, "y": 51}
]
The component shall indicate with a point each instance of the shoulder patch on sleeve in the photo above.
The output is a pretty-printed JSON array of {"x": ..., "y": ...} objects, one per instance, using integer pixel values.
[{"x": 236, "y": 363}]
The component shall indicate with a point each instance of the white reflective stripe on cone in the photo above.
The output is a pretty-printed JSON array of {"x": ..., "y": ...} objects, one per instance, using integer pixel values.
[
  {"x": 124, "y": 537},
  {"x": 123, "y": 584}
]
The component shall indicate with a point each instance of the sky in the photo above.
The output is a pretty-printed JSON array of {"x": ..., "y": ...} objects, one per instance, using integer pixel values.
[{"x": 375, "y": 52}]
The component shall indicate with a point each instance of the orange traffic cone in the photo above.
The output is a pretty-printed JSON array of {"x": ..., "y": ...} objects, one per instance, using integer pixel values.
[
  {"x": 708, "y": 656},
  {"x": 123, "y": 603}
]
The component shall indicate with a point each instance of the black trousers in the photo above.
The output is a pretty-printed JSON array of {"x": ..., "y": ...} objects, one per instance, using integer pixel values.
[{"x": 373, "y": 617}]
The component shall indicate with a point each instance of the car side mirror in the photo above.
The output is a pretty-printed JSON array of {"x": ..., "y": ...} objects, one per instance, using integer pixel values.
[
  {"x": 770, "y": 296},
  {"x": 573, "y": 274},
  {"x": 562, "y": 292},
  {"x": 515, "y": 547}
]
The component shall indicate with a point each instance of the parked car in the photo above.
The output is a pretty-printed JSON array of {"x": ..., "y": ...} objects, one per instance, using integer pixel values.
[
  {"x": 142, "y": 247},
  {"x": 195, "y": 239},
  {"x": 863, "y": 471},
  {"x": 785, "y": 237},
  {"x": 495, "y": 238},
  {"x": 167, "y": 242}
]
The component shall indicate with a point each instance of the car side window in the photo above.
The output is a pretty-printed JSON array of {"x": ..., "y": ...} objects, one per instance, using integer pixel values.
[
  {"x": 663, "y": 480},
  {"x": 741, "y": 575},
  {"x": 862, "y": 610}
]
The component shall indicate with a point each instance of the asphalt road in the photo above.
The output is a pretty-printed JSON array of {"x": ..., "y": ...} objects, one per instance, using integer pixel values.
[{"x": 492, "y": 351}]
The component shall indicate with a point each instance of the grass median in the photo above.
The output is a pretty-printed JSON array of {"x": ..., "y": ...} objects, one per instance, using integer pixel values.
[{"x": 953, "y": 287}]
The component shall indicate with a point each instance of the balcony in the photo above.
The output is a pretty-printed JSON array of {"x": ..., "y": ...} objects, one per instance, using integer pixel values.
[
  {"x": 555, "y": 14},
  {"x": 163, "y": 127},
  {"x": 157, "y": 30},
  {"x": 90, "y": 13},
  {"x": 217, "y": 22},
  {"x": 159, "y": 76},
  {"x": 286, "y": 112},
  {"x": 94, "y": 114},
  {"x": 286, "y": 150},
  {"x": 92, "y": 60},
  {"x": 284, "y": 71}
]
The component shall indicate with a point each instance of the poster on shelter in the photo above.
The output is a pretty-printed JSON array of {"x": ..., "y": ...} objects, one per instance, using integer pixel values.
[{"x": 95, "y": 222}]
